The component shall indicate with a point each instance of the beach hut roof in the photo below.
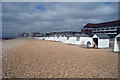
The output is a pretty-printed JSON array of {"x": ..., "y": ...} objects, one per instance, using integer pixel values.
[
  {"x": 62, "y": 35},
  {"x": 55, "y": 35},
  {"x": 40, "y": 35},
  {"x": 81, "y": 35},
  {"x": 118, "y": 35},
  {"x": 68, "y": 35},
  {"x": 102, "y": 35}
]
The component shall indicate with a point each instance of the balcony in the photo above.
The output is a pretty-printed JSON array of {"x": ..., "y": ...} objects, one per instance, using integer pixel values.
[
  {"x": 105, "y": 30},
  {"x": 111, "y": 33}
]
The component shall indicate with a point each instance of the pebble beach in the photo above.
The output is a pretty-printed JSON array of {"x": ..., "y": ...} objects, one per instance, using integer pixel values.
[{"x": 33, "y": 58}]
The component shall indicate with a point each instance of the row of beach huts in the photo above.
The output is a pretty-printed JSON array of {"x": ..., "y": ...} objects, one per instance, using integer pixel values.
[{"x": 98, "y": 40}]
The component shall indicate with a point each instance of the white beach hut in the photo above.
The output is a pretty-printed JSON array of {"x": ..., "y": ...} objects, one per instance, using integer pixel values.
[
  {"x": 62, "y": 38},
  {"x": 117, "y": 43},
  {"x": 47, "y": 38},
  {"x": 41, "y": 36},
  {"x": 82, "y": 39},
  {"x": 69, "y": 39},
  {"x": 50, "y": 38},
  {"x": 55, "y": 37},
  {"x": 101, "y": 40},
  {"x": 58, "y": 37}
]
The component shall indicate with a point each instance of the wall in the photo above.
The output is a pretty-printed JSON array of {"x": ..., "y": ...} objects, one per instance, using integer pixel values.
[
  {"x": 103, "y": 43},
  {"x": 83, "y": 41},
  {"x": 62, "y": 39},
  {"x": 55, "y": 38},
  {"x": 70, "y": 41},
  {"x": 118, "y": 45}
]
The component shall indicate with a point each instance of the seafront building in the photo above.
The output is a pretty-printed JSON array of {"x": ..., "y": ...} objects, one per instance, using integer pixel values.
[
  {"x": 30, "y": 34},
  {"x": 110, "y": 28},
  {"x": 37, "y": 34}
]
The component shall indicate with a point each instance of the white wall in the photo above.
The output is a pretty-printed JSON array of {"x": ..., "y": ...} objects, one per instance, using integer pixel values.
[
  {"x": 84, "y": 40},
  {"x": 40, "y": 38},
  {"x": 46, "y": 38},
  {"x": 116, "y": 45},
  {"x": 55, "y": 38},
  {"x": 51, "y": 38},
  {"x": 62, "y": 39},
  {"x": 103, "y": 43},
  {"x": 70, "y": 41}
]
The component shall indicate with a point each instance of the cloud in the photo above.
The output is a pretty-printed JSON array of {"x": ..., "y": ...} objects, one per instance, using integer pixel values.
[{"x": 54, "y": 16}]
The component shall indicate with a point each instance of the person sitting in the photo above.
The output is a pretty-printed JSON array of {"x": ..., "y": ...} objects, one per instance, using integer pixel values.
[
  {"x": 94, "y": 44},
  {"x": 88, "y": 44}
]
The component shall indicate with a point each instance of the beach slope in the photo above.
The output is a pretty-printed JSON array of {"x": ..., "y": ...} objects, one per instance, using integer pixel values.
[{"x": 32, "y": 58}]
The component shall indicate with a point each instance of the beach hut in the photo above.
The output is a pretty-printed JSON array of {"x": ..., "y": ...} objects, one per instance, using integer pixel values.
[
  {"x": 62, "y": 38},
  {"x": 82, "y": 39},
  {"x": 46, "y": 37},
  {"x": 101, "y": 40},
  {"x": 117, "y": 43},
  {"x": 41, "y": 36},
  {"x": 69, "y": 39},
  {"x": 51, "y": 37},
  {"x": 55, "y": 37}
]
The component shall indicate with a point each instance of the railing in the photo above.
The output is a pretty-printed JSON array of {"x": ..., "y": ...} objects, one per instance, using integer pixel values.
[{"x": 105, "y": 30}]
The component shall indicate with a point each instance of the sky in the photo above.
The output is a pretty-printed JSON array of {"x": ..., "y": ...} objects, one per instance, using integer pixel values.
[{"x": 19, "y": 17}]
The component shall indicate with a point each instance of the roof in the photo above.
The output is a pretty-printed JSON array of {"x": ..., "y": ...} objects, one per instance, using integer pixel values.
[
  {"x": 81, "y": 35},
  {"x": 102, "y": 35},
  {"x": 68, "y": 35},
  {"x": 55, "y": 35},
  {"x": 91, "y": 25},
  {"x": 118, "y": 35}
]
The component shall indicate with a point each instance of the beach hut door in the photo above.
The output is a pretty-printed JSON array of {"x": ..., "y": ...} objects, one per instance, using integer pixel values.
[
  {"x": 95, "y": 40},
  {"x": 77, "y": 38},
  {"x": 67, "y": 38}
]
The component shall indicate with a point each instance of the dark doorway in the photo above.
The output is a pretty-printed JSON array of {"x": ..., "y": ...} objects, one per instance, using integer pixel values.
[
  {"x": 77, "y": 38},
  {"x": 95, "y": 40},
  {"x": 67, "y": 38}
]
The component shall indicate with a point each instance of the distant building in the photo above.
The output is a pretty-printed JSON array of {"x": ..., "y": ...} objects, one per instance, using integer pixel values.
[
  {"x": 30, "y": 34},
  {"x": 110, "y": 28},
  {"x": 23, "y": 35}
]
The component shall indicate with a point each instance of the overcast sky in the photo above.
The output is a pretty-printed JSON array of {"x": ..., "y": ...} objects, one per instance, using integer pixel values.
[{"x": 54, "y": 16}]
